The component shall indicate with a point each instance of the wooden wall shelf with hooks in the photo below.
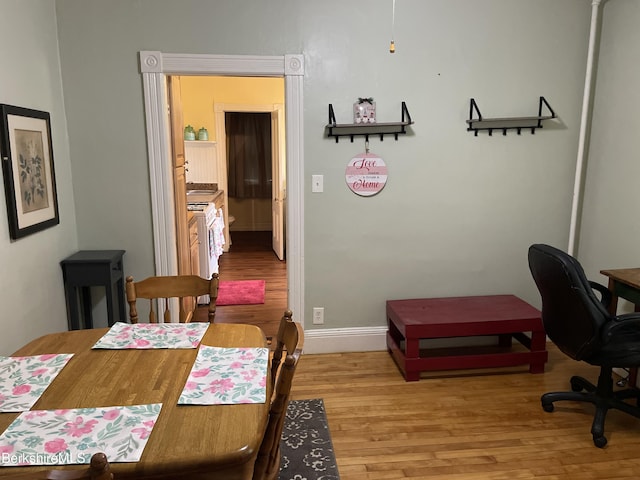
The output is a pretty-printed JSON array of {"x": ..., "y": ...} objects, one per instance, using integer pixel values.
[
  {"x": 511, "y": 123},
  {"x": 352, "y": 130}
]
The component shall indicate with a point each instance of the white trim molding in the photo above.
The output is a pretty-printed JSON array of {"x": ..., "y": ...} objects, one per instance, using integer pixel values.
[
  {"x": 339, "y": 340},
  {"x": 155, "y": 66}
]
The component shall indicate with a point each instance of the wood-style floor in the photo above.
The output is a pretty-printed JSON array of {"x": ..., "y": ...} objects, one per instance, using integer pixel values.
[
  {"x": 457, "y": 425},
  {"x": 464, "y": 425},
  {"x": 251, "y": 257}
]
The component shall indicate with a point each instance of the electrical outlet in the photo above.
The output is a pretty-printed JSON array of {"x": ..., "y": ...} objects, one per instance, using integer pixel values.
[
  {"x": 318, "y": 315},
  {"x": 317, "y": 183}
]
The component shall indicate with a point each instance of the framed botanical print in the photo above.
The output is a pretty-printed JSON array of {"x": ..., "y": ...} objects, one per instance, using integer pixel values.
[{"x": 27, "y": 166}]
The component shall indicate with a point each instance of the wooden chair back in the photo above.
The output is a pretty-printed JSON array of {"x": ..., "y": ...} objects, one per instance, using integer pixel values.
[
  {"x": 98, "y": 469},
  {"x": 185, "y": 288},
  {"x": 280, "y": 346},
  {"x": 267, "y": 464}
]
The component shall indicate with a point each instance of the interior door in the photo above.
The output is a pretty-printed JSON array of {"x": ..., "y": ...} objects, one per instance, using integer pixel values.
[
  {"x": 278, "y": 186},
  {"x": 179, "y": 178}
]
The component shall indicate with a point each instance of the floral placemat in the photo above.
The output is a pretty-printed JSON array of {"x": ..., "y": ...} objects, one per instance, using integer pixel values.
[
  {"x": 226, "y": 376},
  {"x": 65, "y": 437},
  {"x": 24, "y": 379},
  {"x": 153, "y": 335}
]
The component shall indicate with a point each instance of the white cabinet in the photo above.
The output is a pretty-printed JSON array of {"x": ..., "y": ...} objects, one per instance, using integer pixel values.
[{"x": 201, "y": 159}]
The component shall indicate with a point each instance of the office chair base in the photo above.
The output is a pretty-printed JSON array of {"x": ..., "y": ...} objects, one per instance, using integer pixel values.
[{"x": 602, "y": 396}]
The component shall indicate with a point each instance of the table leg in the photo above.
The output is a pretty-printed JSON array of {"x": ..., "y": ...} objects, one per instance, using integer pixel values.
[
  {"x": 412, "y": 352},
  {"x": 613, "y": 310},
  {"x": 538, "y": 344},
  {"x": 87, "y": 307},
  {"x": 72, "y": 302},
  {"x": 110, "y": 313},
  {"x": 613, "y": 306},
  {"x": 633, "y": 372}
]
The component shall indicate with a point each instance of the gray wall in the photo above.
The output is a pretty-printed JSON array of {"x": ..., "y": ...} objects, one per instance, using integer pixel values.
[
  {"x": 458, "y": 211},
  {"x": 31, "y": 293},
  {"x": 611, "y": 223}
]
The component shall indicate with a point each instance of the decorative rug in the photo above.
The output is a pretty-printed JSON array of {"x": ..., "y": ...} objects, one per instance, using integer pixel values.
[
  {"x": 305, "y": 448},
  {"x": 240, "y": 292}
]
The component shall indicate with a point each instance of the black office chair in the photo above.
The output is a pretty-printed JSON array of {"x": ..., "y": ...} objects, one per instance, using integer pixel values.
[{"x": 578, "y": 322}]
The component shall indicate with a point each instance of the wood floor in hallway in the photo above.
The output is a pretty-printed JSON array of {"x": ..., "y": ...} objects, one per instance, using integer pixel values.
[{"x": 251, "y": 257}]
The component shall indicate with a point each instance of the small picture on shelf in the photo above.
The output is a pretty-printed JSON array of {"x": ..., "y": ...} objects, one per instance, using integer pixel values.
[{"x": 364, "y": 111}]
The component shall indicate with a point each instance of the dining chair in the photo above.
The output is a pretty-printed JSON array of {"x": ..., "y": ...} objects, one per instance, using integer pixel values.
[
  {"x": 291, "y": 338},
  {"x": 98, "y": 469},
  {"x": 161, "y": 290},
  {"x": 276, "y": 359}
]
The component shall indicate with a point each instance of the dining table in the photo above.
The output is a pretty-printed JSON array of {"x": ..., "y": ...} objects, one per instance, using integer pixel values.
[{"x": 187, "y": 441}]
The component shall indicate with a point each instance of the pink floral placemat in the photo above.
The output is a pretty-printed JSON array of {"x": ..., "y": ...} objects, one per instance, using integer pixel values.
[
  {"x": 153, "y": 335},
  {"x": 66, "y": 437},
  {"x": 24, "y": 379},
  {"x": 227, "y": 376}
]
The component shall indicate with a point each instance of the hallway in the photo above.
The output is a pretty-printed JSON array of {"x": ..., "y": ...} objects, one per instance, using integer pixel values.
[{"x": 252, "y": 258}]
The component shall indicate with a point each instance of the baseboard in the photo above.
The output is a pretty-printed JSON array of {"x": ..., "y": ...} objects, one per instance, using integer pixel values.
[{"x": 342, "y": 340}]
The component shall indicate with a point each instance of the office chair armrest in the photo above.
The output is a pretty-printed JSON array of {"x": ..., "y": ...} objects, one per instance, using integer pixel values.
[
  {"x": 605, "y": 293},
  {"x": 628, "y": 321}
]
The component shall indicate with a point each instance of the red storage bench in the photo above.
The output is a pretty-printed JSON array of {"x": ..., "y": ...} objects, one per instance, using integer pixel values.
[{"x": 505, "y": 316}]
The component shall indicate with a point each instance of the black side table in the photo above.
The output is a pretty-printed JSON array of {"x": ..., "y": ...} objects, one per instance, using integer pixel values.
[{"x": 89, "y": 268}]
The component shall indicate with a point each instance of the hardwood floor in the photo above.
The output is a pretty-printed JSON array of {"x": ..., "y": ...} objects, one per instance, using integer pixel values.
[
  {"x": 458, "y": 425},
  {"x": 463, "y": 425},
  {"x": 252, "y": 258}
]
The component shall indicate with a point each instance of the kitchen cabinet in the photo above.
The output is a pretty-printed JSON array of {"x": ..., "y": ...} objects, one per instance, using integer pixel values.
[{"x": 201, "y": 158}]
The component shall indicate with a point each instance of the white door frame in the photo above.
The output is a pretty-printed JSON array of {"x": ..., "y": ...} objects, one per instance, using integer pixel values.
[{"x": 155, "y": 67}]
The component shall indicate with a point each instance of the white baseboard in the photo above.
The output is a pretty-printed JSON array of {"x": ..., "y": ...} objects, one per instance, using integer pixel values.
[{"x": 342, "y": 340}]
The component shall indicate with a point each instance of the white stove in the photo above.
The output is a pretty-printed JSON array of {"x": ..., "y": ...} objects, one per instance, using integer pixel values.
[{"x": 210, "y": 225}]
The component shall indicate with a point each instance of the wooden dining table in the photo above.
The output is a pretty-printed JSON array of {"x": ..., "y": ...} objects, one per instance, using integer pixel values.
[{"x": 187, "y": 441}]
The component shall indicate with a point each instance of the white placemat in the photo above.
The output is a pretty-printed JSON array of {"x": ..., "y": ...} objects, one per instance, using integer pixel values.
[
  {"x": 65, "y": 437},
  {"x": 24, "y": 379},
  {"x": 224, "y": 376},
  {"x": 153, "y": 335}
]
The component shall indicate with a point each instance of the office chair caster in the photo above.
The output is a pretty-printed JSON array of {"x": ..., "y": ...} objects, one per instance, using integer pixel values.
[
  {"x": 547, "y": 407},
  {"x": 599, "y": 441},
  {"x": 578, "y": 384}
]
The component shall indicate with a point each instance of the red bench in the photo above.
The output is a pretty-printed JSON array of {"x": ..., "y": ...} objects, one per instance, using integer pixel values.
[{"x": 505, "y": 316}]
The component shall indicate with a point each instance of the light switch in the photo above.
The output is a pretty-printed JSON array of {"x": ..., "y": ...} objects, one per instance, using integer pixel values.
[{"x": 317, "y": 183}]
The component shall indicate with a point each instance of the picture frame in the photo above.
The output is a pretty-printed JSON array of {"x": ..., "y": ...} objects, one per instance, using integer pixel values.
[{"x": 28, "y": 170}]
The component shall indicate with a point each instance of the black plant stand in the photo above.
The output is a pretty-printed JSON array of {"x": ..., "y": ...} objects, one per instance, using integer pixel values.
[{"x": 88, "y": 268}]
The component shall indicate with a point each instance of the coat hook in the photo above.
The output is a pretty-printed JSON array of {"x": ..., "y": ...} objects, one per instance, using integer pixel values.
[{"x": 366, "y": 145}]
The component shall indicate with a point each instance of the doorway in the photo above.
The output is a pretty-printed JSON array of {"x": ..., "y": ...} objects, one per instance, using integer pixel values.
[
  {"x": 278, "y": 166},
  {"x": 155, "y": 66}
]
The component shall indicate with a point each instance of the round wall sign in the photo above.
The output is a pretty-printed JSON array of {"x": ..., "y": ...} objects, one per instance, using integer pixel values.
[{"x": 366, "y": 174}]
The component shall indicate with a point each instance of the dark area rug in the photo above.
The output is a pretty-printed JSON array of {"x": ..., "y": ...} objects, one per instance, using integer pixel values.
[{"x": 306, "y": 448}]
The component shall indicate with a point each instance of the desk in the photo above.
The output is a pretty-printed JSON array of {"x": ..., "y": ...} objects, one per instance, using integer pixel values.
[
  {"x": 88, "y": 268},
  {"x": 625, "y": 283},
  {"x": 188, "y": 441}
]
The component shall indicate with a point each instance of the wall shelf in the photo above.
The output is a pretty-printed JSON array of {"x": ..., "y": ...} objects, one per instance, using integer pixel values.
[
  {"x": 504, "y": 124},
  {"x": 351, "y": 130}
]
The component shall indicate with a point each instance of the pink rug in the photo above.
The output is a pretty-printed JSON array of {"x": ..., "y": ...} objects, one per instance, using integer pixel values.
[{"x": 240, "y": 292}]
